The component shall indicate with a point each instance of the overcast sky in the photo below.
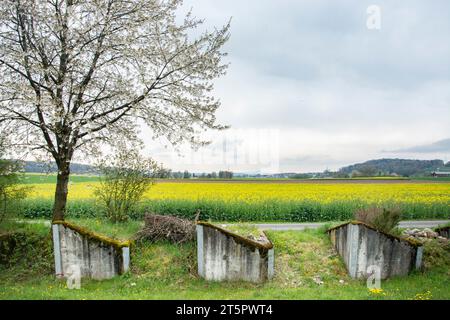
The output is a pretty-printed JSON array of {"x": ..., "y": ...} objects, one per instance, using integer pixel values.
[{"x": 318, "y": 89}]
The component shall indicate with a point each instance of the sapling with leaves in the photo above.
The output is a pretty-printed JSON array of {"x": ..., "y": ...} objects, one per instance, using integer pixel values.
[{"x": 124, "y": 180}]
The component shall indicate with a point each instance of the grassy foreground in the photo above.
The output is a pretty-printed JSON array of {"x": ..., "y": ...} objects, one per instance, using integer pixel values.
[{"x": 166, "y": 271}]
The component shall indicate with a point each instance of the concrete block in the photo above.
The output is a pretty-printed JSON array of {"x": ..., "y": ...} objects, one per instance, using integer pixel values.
[
  {"x": 225, "y": 256},
  {"x": 97, "y": 257},
  {"x": 444, "y": 232},
  {"x": 362, "y": 247}
]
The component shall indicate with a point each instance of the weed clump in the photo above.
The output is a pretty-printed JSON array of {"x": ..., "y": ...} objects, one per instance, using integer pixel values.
[
  {"x": 27, "y": 253},
  {"x": 385, "y": 220},
  {"x": 436, "y": 255}
]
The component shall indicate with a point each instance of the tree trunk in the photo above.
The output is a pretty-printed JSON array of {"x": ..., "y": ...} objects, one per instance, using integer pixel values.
[{"x": 62, "y": 182}]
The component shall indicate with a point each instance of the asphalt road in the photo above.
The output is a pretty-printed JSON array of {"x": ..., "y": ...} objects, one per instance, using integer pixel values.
[
  {"x": 302, "y": 226},
  {"x": 313, "y": 225}
]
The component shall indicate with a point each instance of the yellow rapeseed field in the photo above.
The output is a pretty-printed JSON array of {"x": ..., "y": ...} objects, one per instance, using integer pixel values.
[{"x": 426, "y": 193}]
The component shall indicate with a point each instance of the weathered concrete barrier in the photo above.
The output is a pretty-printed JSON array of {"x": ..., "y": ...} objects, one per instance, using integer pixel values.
[
  {"x": 96, "y": 256},
  {"x": 363, "y": 247},
  {"x": 223, "y": 255},
  {"x": 443, "y": 231}
]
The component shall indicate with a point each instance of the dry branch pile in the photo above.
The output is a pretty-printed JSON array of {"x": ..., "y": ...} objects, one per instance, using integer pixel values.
[{"x": 173, "y": 229}]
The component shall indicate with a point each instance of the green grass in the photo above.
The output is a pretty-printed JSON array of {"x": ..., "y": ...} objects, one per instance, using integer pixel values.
[
  {"x": 220, "y": 210},
  {"x": 435, "y": 179},
  {"x": 120, "y": 231},
  {"x": 36, "y": 227},
  {"x": 35, "y": 178},
  {"x": 41, "y": 227},
  {"x": 243, "y": 229},
  {"x": 167, "y": 271}
]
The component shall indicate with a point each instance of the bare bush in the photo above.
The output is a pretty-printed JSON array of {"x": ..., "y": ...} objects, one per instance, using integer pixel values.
[
  {"x": 382, "y": 219},
  {"x": 170, "y": 228}
]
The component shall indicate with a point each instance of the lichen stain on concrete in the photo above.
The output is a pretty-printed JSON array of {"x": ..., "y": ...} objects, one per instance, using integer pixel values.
[
  {"x": 361, "y": 247},
  {"x": 225, "y": 259},
  {"x": 97, "y": 260}
]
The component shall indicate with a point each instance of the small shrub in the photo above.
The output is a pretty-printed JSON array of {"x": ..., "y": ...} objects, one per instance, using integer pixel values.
[
  {"x": 11, "y": 191},
  {"x": 385, "y": 220},
  {"x": 436, "y": 255},
  {"x": 123, "y": 183},
  {"x": 26, "y": 252}
]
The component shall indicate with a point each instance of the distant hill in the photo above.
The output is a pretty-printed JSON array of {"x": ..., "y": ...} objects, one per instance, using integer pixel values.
[
  {"x": 42, "y": 167},
  {"x": 402, "y": 167}
]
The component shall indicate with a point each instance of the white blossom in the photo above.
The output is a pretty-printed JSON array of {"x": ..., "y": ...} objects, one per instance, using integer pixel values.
[{"x": 79, "y": 73}]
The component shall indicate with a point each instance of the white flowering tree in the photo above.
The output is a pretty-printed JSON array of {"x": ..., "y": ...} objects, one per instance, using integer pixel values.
[{"x": 79, "y": 73}]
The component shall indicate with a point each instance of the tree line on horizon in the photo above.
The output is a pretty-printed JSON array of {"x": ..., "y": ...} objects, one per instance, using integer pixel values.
[{"x": 371, "y": 168}]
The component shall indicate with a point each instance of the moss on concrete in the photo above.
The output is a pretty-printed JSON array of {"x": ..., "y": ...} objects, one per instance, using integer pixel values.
[
  {"x": 118, "y": 244},
  {"x": 411, "y": 242},
  {"x": 239, "y": 238}
]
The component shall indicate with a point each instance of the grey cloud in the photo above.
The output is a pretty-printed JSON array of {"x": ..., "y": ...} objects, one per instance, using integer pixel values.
[
  {"x": 438, "y": 146},
  {"x": 313, "y": 66},
  {"x": 306, "y": 40}
]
